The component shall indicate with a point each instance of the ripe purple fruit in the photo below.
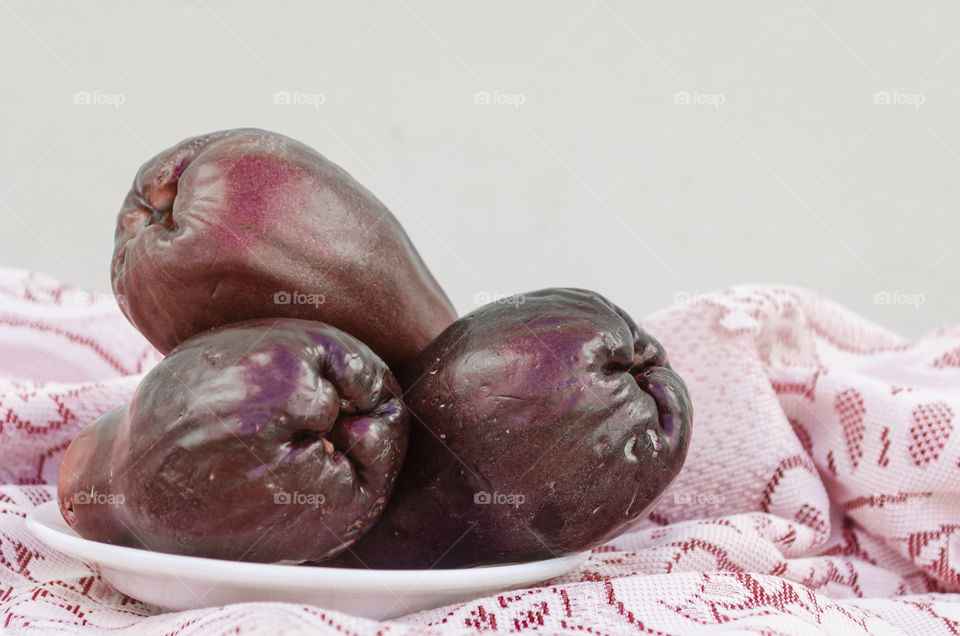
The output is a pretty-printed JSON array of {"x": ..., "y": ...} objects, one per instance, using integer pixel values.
[
  {"x": 268, "y": 440},
  {"x": 247, "y": 223},
  {"x": 546, "y": 424}
]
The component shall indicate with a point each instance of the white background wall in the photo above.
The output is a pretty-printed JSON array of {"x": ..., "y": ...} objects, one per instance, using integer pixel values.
[{"x": 600, "y": 178}]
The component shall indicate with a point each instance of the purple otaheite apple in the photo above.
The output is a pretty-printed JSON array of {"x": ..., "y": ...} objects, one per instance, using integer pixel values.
[
  {"x": 542, "y": 425},
  {"x": 268, "y": 440},
  {"x": 247, "y": 223}
]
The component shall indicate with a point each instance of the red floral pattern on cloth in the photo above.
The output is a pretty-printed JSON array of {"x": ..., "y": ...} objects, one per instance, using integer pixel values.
[{"x": 820, "y": 493}]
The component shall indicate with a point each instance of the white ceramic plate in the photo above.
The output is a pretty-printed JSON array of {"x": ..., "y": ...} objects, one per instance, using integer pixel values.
[{"x": 181, "y": 582}]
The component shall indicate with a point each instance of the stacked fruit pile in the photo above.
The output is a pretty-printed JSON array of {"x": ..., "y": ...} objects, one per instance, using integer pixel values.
[{"x": 320, "y": 402}]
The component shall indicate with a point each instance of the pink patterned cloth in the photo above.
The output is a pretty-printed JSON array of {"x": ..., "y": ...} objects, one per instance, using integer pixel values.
[{"x": 822, "y": 488}]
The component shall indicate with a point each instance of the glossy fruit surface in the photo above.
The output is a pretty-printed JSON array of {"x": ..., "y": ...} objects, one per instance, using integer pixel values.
[
  {"x": 247, "y": 223},
  {"x": 543, "y": 424},
  {"x": 268, "y": 440}
]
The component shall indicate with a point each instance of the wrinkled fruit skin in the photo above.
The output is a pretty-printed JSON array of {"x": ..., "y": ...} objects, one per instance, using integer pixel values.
[
  {"x": 269, "y": 440},
  {"x": 539, "y": 427},
  {"x": 246, "y": 223}
]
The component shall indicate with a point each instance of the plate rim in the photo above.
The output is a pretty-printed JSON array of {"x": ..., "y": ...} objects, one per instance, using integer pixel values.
[{"x": 119, "y": 557}]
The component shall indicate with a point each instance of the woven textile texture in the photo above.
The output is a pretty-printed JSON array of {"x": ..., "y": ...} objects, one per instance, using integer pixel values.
[{"x": 821, "y": 491}]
